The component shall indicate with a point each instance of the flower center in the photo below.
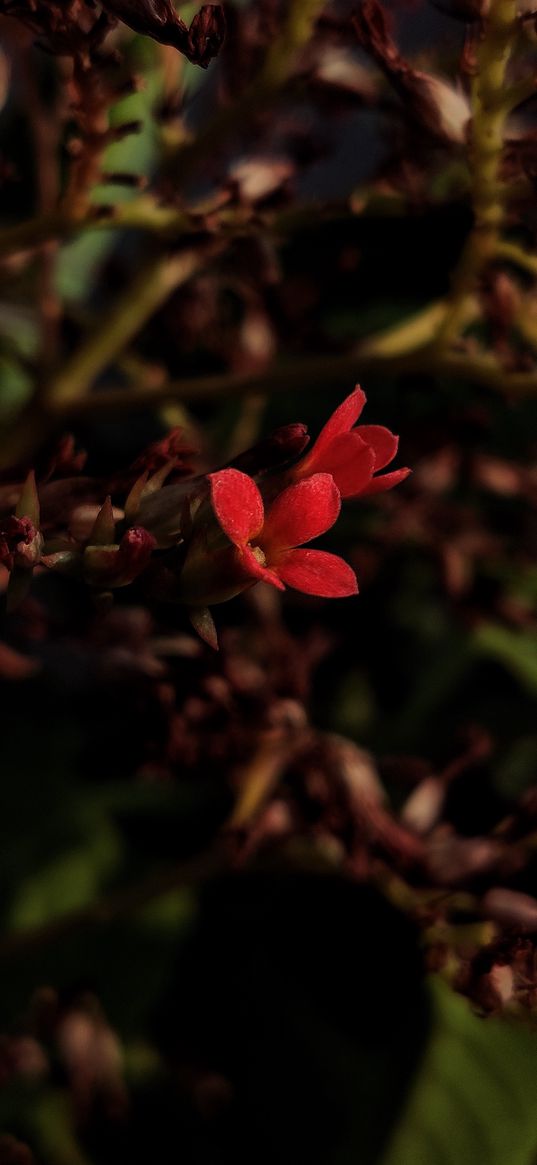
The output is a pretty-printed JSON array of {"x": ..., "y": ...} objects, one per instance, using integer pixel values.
[{"x": 259, "y": 556}]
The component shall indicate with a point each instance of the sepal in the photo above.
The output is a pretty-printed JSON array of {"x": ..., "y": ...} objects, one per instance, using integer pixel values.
[
  {"x": 28, "y": 503},
  {"x": 203, "y": 623},
  {"x": 104, "y": 529}
]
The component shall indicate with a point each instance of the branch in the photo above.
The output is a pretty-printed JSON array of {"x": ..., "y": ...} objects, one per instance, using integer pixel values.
[
  {"x": 512, "y": 253},
  {"x": 310, "y": 374},
  {"x": 490, "y": 108},
  {"x": 142, "y": 214},
  {"x": 151, "y": 288}
]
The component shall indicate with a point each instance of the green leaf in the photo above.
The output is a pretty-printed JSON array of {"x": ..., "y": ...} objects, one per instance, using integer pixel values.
[
  {"x": 16, "y": 387},
  {"x": 72, "y": 880},
  {"x": 517, "y": 650},
  {"x": 54, "y": 1130},
  {"x": 473, "y": 1099}
]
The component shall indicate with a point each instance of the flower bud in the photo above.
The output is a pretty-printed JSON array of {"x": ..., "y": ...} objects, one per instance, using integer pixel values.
[
  {"x": 163, "y": 512},
  {"x": 283, "y": 445},
  {"x": 159, "y": 20},
  {"x": 20, "y": 543},
  {"x": 210, "y": 576},
  {"x": 119, "y": 565},
  {"x": 206, "y": 34}
]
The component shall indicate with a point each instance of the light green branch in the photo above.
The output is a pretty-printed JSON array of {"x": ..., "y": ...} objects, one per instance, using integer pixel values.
[
  {"x": 512, "y": 253},
  {"x": 490, "y": 108},
  {"x": 142, "y": 213},
  {"x": 417, "y": 332},
  {"x": 309, "y": 374},
  {"x": 109, "y": 337},
  {"x": 151, "y": 288}
]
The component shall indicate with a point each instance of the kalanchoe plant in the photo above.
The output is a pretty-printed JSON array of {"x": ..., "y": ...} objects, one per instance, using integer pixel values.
[{"x": 205, "y": 538}]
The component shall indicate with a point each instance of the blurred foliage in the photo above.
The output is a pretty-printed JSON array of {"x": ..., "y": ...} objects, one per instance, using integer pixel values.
[
  {"x": 469, "y": 1075},
  {"x": 155, "y": 1007}
]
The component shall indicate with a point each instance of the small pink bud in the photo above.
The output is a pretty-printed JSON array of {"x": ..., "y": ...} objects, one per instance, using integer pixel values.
[
  {"x": 282, "y": 446},
  {"x": 20, "y": 543},
  {"x": 119, "y": 565}
]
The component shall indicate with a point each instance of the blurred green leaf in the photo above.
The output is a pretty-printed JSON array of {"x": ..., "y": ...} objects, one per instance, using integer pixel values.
[
  {"x": 15, "y": 386},
  {"x": 473, "y": 1099},
  {"x": 70, "y": 881},
  {"x": 353, "y": 708},
  {"x": 54, "y": 1130},
  {"x": 518, "y": 769},
  {"x": 517, "y": 650}
]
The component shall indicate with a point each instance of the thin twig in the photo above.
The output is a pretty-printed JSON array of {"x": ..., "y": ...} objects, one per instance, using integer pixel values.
[{"x": 151, "y": 288}]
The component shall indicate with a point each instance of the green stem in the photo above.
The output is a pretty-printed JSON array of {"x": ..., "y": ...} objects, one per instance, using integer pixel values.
[
  {"x": 110, "y": 336},
  {"x": 512, "y": 253},
  {"x": 490, "y": 111},
  {"x": 140, "y": 301},
  {"x": 141, "y": 214},
  {"x": 332, "y": 372},
  {"x": 408, "y": 336}
]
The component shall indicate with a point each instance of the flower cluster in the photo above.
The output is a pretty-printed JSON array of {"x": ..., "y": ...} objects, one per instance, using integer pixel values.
[
  {"x": 267, "y": 523},
  {"x": 200, "y": 539}
]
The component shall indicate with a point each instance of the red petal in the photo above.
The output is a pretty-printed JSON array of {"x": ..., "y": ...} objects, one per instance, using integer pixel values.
[
  {"x": 256, "y": 570},
  {"x": 386, "y": 481},
  {"x": 300, "y": 513},
  {"x": 238, "y": 505},
  {"x": 318, "y": 573},
  {"x": 349, "y": 461},
  {"x": 341, "y": 421},
  {"x": 383, "y": 443}
]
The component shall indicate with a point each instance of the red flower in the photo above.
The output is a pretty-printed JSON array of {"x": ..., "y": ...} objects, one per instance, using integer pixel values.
[
  {"x": 353, "y": 456},
  {"x": 266, "y": 545}
]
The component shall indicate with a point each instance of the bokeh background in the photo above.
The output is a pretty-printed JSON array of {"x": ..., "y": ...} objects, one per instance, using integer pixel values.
[{"x": 208, "y": 956}]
